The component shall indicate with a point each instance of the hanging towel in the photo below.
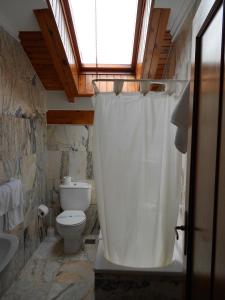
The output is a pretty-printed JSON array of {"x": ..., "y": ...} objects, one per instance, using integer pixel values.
[
  {"x": 15, "y": 186},
  {"x": 15, "y": 214},
  {"x": 11, "y": 202},
  {"x": 180, "y": 119},
  {"x": 5, "y": 196},
  {"x": 15, "y": 217}
]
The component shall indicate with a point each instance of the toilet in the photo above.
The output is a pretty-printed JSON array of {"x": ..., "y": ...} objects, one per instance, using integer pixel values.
[{"x": 75, "y": 198}]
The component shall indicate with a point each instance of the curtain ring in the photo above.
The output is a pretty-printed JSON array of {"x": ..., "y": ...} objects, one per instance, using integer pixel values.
[
  {"x": 144, "y": 87},
  {"x": 118, "y": 86},
  {"x": 96, "y": 89}
]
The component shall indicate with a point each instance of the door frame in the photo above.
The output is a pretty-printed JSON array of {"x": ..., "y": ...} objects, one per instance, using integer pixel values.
[{"x": 202, "y": 20}]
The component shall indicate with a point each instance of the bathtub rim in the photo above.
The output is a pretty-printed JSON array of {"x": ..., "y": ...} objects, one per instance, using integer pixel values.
[{"x": 102, "y": 265}]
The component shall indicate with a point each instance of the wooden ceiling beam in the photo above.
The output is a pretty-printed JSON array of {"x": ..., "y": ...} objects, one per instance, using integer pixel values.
[
  {"x": 155, "y": 40},
  {"x": 75, "y": 117},
  {"x": 56, "y": 50},
  {"x": 150, "y": 41},
  {"x": 37, "y": 51}
]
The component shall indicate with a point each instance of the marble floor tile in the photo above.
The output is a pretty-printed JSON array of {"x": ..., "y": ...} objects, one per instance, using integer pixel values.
[
  {"x": 50, "y": 274},
  {"x": 25, "y": 289}
]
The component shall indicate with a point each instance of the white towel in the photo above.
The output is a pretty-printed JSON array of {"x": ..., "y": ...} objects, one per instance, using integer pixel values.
[
  {"x": 15, "y": 217},
  {"x": 15, "y": 186},
  {"x": 180, "y": 119},
  {"x": 11, "y": 202},
  {"x": 5, "y": 197}
]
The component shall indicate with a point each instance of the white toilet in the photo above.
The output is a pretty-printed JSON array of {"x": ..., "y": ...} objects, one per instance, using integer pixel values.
[{"x": 75, "y": 198}]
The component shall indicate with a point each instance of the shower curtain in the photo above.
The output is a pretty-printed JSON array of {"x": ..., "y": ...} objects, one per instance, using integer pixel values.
[{"x": 137, "y": 172}]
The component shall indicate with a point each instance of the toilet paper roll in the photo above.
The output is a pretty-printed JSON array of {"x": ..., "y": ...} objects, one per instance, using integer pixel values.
[{"x": 42, "y": 210}]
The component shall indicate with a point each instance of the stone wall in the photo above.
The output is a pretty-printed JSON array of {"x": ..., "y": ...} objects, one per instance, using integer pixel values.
[
  {"x": 70, "y": 153},
  {"x": 22, "y": 147}
]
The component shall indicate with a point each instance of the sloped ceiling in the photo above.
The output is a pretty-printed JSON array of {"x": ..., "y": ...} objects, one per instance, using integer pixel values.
[
  {"x": 180, "y": 9},
  {"x": 17, "y": 15}
]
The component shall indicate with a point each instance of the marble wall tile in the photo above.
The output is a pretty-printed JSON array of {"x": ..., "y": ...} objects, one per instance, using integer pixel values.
[
  {"x": 17, "y": 132},
  {"x": 41, "y": 177},
  {"x": 75, "y": 144},
  {"x": 21, "y": 92},
  {"x": 70, "y": 153},
  {"x": 22, "y": 147},
  {"x": 78, "y": 165},
  {"x": 1, "y": 137},
  {"x": 28, "y": 171},
  {"x": 11, "y": 168},
  {"x": 54, "y": 164},
  {"x": 68, "y": 137},
  {"x": 3, "y": 176},
  {"x": 92, "y": 223},
  {"x": 27, "y": 135},
  {"x": 39, "y": 128},
  {"x": 65, "y": 164}
]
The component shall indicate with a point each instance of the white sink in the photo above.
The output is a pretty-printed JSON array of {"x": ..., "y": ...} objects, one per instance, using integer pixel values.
[{"x": 8, "y": 246}]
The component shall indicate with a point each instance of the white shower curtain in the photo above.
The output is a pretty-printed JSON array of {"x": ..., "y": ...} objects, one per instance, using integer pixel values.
[{"x": 137, "y": 172}]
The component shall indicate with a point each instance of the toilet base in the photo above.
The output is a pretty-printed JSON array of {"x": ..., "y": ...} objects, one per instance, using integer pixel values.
[{"x": 72, "y": 246}]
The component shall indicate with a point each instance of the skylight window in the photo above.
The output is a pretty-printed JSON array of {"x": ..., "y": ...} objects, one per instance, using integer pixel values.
[{"x": 116, "y": 20}]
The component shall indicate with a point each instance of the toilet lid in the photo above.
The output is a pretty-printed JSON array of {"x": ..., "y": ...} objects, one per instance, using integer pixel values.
[{"x": 71, "y": 217}]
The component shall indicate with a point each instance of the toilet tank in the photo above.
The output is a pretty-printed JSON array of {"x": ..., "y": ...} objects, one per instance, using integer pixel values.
[{"x": 75, "y": 196}]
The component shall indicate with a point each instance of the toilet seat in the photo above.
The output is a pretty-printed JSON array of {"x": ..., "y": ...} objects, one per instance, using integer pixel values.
[{"x": 71, "y": 218}]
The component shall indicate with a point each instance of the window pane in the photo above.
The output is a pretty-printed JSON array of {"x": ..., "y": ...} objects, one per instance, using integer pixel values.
[{"x": 116, "y": 20}]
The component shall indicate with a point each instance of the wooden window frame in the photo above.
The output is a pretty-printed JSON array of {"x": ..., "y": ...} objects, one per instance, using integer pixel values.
[{"x": 91, "y": 68}]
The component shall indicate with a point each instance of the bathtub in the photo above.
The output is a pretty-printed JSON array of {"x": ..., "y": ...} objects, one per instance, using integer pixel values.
[
  {"x": 115, "y": 282},
  {"x": 101, "y": 263}
]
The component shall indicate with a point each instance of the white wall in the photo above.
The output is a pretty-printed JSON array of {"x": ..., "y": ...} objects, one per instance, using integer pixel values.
[
  {"x": 57, "y": 100},
  {"x": 180, "y": 9},
  {"x": 17, "y": 15}
]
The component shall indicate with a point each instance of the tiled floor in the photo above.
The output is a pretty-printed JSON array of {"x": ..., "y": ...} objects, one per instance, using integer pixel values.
[{"x": 49, "y": 274}]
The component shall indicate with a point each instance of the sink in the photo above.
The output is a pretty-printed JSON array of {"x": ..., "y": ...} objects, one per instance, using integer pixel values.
[{"x": 8, "y": 246}]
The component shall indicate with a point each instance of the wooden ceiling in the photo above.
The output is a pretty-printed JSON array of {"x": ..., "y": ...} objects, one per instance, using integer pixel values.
[
  {"x": 158, "y": 43},
  {"x": 74, "y": 117},
  {"x": 47, "y": 54},
  {"x": 37, "y": 51},
  {"x": 164, "y": 52}
]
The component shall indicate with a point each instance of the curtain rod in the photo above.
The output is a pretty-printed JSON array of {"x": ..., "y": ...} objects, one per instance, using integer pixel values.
[
  {"x": 140, "y": 80},
  {"x": 144, "y": 84}
]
